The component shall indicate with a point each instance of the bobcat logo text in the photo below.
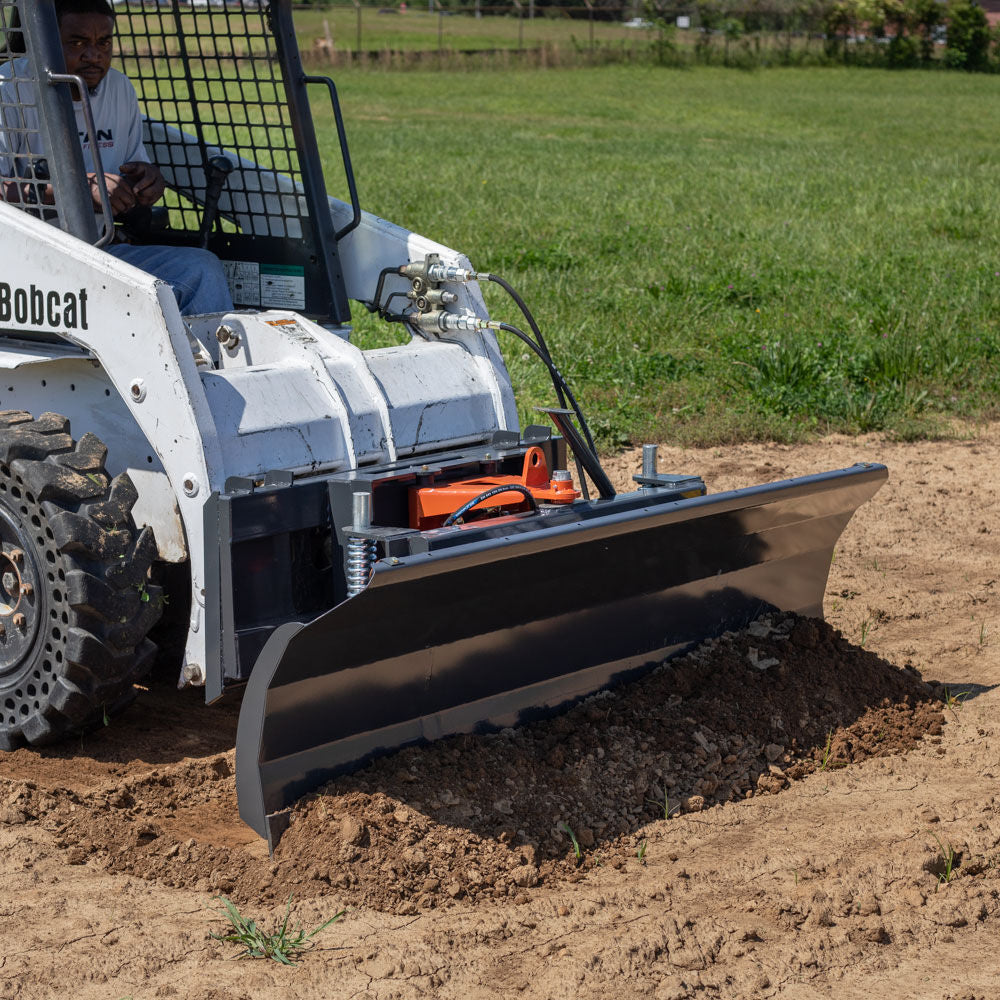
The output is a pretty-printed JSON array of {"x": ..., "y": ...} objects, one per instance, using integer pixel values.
[{"x": 38, "y": 307}]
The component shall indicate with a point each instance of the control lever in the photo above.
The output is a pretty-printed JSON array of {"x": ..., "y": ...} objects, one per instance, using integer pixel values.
[
  {"x": 217, "y": 171},
  {"x": 39, "y": 174}
]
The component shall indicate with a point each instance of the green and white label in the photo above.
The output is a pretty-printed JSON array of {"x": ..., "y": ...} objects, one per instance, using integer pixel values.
[
  {"x": 282, "y": 286},
  {"x": 271, "y": 286}
]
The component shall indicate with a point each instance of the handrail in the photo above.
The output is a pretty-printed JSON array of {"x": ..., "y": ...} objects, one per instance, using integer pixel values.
[
  {"x": 95, "y": 152},
  {"x": 344, "y": 153}
]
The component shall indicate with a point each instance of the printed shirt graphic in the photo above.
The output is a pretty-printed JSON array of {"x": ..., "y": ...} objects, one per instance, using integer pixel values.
[{"x": 117, "y": 119}]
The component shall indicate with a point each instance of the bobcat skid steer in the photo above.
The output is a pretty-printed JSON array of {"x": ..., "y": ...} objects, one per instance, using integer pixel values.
[{"x": 378, "y": 554}]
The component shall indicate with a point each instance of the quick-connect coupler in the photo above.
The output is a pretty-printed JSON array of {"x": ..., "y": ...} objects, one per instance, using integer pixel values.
[
  {"x": 440, "y": 321},
  {"x": 432, "y": 270}
]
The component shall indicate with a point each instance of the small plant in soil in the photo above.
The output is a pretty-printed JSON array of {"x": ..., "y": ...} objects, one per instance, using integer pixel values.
[
  {"x": 283, "y": 945},
  {"x": 572, "y": 836},
  {"x": 949, "y": 861},
  {"x": 641, "y": 852},
  {"x": 827, "y": 761},
  {"x": 866, "y": 627},
  {"x": 668, "y": 809},
  {"x": 954, "y": 701}
]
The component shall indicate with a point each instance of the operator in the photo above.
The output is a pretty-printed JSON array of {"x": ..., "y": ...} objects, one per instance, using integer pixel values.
[{"x": 86, "y": 30}]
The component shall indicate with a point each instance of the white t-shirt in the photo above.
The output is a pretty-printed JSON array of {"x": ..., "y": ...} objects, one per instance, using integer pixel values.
[{"x": 117, "y": 119}]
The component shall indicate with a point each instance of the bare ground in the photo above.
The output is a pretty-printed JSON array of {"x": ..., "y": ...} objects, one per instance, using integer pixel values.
[{"x": 816, "y": 782}]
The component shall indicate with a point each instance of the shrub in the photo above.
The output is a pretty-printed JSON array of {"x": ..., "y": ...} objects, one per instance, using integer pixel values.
[{"x": 968, "y": 36}]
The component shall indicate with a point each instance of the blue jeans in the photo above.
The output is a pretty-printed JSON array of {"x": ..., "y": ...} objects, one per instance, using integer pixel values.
[{"x": 196, "y": 276}]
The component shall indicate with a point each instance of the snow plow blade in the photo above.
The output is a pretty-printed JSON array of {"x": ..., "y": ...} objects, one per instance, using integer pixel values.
[{"x": 518, "y": 622}]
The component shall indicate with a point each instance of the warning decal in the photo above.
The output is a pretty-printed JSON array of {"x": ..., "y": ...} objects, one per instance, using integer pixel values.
[
  {"x": 244, "y": 282},
  {"x": 275, "y": 286},
  {"x": 282, "y": 287}
]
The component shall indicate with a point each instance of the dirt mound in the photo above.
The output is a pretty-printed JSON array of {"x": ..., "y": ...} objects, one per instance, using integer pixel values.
[{"x": 493, "y": 816}]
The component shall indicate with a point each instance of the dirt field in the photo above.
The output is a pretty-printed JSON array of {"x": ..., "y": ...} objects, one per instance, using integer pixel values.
[{"x": 816, "y": 789}]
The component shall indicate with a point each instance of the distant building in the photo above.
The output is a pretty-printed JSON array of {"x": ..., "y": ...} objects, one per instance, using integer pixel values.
[{"x": 992, "y": 11}]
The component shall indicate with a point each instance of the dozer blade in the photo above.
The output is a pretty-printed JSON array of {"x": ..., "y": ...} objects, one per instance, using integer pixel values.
[{"x": 503, "y": 629}]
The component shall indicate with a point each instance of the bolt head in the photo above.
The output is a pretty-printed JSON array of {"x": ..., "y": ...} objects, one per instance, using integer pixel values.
[
  {"x": 20, "y": 621},
  {"x": 27, "y": 590},
  {"x": 16, "y": 555},
  {"x": 193, "y": 673}
]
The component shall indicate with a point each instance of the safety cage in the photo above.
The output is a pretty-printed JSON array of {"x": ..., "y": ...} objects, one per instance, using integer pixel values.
[{"x": 227, "y": 120}]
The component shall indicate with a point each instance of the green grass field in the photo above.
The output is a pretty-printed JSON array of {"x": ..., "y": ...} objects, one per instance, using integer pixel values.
[{"x": 713, "y": 255}]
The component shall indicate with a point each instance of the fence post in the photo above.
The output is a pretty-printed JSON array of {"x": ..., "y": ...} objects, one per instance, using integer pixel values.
[
  {"x": 440, "y": 11},
  {"x": 357, "y": 8},
  {"x": 590, "y": 19},
  {"x": 520, "y": 25}
]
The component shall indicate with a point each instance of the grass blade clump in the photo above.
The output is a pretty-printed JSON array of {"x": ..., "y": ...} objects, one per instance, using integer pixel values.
[{"x": 281, "y": 945}]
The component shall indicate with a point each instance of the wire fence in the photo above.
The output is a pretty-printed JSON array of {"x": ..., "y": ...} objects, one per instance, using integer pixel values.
[{"x": 955, "y": 33}]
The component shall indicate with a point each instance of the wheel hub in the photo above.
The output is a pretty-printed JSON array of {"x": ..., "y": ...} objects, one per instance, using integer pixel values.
[{"x": 19, "y": 612}]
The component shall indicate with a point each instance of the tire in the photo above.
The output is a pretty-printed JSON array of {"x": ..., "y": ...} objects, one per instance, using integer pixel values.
[{"x": 76, "y": 603}]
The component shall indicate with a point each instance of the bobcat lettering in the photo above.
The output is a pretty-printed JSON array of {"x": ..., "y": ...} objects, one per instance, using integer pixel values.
[{"x": 36, "y": 307}]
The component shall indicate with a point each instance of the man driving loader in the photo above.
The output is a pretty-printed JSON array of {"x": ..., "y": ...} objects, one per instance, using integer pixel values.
[{"x": 86, "y": 30}]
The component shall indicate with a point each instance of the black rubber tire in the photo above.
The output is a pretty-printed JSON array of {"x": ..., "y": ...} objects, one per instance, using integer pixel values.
[{"x": 76, "y": 600}]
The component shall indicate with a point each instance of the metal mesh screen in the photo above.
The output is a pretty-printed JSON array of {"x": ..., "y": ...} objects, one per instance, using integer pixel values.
[
  {"x": 23, "y": 163},
  {"x": 226, "y": 119},
  {"x": 209, "y": 81}
]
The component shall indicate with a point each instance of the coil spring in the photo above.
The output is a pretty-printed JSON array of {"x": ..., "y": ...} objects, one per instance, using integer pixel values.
[{"x": 361, "y": 554}]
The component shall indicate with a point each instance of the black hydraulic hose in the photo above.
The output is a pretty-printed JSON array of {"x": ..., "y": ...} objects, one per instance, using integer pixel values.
[
  {"x": 384, "y": 312},
  {"x": 558, "y": 376},
  {"x": 506, "y": 286},
  {"x": 496, "y": 491},
  {"x": 538, "y": 345},
  {"x": 373, "y": 306}
]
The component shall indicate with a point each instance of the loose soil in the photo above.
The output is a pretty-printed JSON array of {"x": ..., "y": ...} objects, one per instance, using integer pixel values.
[{"x": 803, "y": 809}]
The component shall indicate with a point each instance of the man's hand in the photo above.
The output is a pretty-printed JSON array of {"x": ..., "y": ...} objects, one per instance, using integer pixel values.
[
  {"x": 146, "y": 180},
  {"x": 119, "y": 191}
]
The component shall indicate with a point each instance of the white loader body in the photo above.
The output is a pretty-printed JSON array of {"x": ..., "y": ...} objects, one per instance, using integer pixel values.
[{"x": 105, "y": 344}]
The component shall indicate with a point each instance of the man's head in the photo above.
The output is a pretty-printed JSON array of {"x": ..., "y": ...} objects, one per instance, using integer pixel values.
[{"x": 86, "y": 30}]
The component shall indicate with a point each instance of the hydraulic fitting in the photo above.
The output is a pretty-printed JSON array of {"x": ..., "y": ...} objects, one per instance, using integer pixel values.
[
  {"x": 448, "y": 272},
  {"x": 433, "y": 298},
  {"x": 440, "y": 321},
  {"x": 431, "y": 269}
]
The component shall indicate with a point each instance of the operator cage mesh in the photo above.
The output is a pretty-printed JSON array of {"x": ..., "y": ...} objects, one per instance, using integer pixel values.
[
  {"x": 209, "y": 77},
  {"x": 209, "y": 80},
  {"x": 21, "y": 147}
]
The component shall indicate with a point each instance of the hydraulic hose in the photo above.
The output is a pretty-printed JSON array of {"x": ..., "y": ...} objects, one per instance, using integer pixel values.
[
  {"x": 495, "y": 491},
  {"x": 506, "y": 286},
  {"x": 374, "y": 305},
  {"x": 557, "y": 378},
  {"x": 563, "y": 392}
]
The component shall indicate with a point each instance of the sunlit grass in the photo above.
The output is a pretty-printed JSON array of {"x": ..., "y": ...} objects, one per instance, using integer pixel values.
[{"x": 713, "y": 255}]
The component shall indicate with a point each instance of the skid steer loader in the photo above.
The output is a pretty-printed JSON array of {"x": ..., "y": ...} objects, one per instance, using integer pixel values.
[{"x": 377, "y": 553}]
